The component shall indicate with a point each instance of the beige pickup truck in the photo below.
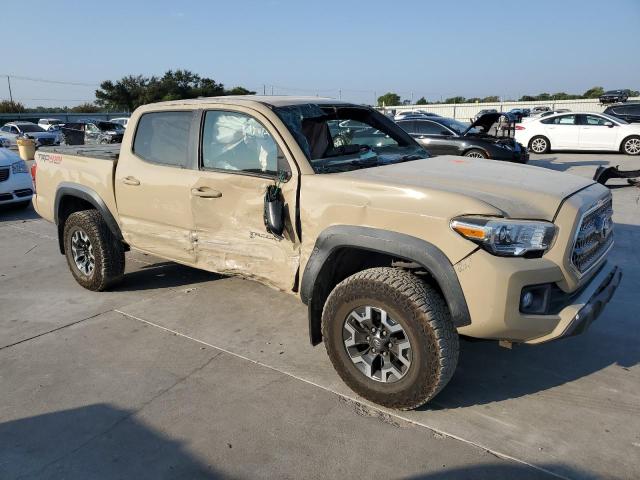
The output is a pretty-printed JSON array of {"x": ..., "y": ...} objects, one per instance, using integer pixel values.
[{"x": 394, "y": 252}]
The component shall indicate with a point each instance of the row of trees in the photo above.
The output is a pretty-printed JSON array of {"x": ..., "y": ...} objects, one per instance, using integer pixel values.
[
  {"x": 130, "y": 92},
  {"x": 391, "y": 98}
]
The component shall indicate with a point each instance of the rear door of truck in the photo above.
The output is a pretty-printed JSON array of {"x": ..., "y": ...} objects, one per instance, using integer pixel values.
[{"x": 153, "y": 181}]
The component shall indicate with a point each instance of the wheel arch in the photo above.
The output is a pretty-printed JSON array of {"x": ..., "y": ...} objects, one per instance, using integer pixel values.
[
  {"x": 539, "y": 135},
  {"x": 473, "y": 147},
  {"x": 342, "y": 250},
  {"x": 73, "y": 197}
]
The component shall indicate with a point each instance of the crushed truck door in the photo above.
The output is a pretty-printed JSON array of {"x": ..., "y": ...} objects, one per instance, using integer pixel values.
[
  {"x": 239, "y": 158},
  {"x": 153, "y": 183}
]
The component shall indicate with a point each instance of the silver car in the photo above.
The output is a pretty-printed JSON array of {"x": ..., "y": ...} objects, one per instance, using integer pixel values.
[{"x": 13, "y": 130}]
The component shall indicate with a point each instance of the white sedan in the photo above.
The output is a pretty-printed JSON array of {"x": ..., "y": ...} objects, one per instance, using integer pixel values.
[
  {"x": 580, "y": 131},
  {"x": 16, "y": 186}
]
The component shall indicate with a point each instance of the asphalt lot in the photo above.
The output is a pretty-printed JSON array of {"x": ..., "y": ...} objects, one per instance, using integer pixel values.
[{"x": 184, "y": 374}]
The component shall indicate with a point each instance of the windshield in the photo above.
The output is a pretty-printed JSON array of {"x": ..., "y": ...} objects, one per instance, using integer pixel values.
[
  {"x": 456, "y": 126},
  {"x": 23, "y": 127},
  {"x": 105, "y": 126},
  {"x": 338, "y": 138}
]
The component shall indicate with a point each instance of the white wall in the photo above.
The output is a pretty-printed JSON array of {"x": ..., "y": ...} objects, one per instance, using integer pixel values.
[{"x": 466, "y": 111}]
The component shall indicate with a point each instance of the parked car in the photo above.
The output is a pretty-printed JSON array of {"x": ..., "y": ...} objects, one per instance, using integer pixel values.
[
  {"x": 483, "y": 112},
  {"x": 120, "y": 121},
  {"x": 540, "y": 109},
  {"x": 580, "y": 131},
  {"x": 16, "y": 186},
  {"x": 518, "y": 113},
  {"x": 394, "y": 252},
  {"x": 614, "y": 96},
  {"x": 92, "y": 132},
  {"x": 629, "y": 112},
  {"x": 13, "y": 130},
  {"x": 546, "y": 114},
  {"x": 49, "y": 124},
  {"x": 445, "y": 136},
  {"x": 414, "y": 113}
]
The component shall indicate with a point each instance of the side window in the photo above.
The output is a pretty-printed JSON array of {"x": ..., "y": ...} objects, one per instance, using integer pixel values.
[
  {"x": 14, "y": 130},
  {"x": 593, "y": 120},
  {"x": 5, "y": 129},
  {"x": 562, "y": 120},
  {"x": 408, "y": 126},
  {"x": 429, "y": 128},
  {"x": 163, "y": 137},
  {"x": 237, "y": 142}
]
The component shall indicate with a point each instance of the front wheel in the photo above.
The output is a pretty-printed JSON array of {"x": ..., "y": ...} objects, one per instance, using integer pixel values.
[
  {"x": 390, "y": 337},
  {"x": 95, "y": 256},
  {"x": 631, "y": 146}
]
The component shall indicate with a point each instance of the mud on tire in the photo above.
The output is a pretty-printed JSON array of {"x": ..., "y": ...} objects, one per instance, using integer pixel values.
[
  {"x": 423, "y": 315},
  {"x": 106, "y": 249}
]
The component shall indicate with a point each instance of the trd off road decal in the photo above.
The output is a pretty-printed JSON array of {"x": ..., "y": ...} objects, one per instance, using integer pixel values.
[{"x": 54, "y": 158}]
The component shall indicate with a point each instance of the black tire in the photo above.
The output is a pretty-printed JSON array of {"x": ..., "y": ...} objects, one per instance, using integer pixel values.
[
  {"x": 421, "y": 312},
  {"x": 476, "y": 153},
  {"x": 539, "y": 144},
  {"x": 630, "y": 145},
  {"x": 107, "y": 251}
]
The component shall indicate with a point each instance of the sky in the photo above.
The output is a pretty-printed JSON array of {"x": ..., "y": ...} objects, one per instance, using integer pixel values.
[{"x": 355, "y": 50}]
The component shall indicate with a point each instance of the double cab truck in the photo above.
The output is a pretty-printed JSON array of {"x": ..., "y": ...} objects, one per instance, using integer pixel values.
[{"x": 395, "y": 253}]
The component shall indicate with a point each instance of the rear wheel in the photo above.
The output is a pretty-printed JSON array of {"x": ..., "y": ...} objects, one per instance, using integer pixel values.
[
  {"x": 390, "y": 337},
  {"x": 539, "y": 144},
  {"x": 631, "y": 145},
  {"x": 95, "y": 256},
  {"x": 475, "y": 153}
]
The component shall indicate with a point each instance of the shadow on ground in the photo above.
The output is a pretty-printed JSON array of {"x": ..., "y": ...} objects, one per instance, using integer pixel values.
[
  {"x": 10, "y": 213},
  {"x": 97, "y": 442},
  {"x": 163, "y": 275},
  {"x": 500, "y": 472},
  {"x": 553, "y": 164}
]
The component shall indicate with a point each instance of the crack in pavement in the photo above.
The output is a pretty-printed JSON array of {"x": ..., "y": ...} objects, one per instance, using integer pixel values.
[{"x": 364, "y": 404}]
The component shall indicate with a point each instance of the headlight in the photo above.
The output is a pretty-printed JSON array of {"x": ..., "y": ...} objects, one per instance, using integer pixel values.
[
  {"x": 506, "y": 238},
  {"x": 19, "y": 167}
]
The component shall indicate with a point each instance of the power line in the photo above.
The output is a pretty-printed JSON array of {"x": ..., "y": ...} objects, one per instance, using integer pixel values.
[{"x": 57, "y": 82}]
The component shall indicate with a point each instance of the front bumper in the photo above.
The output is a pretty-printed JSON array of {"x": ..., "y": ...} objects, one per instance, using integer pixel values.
[
  {"x": 493, "y": 286},
  {"x": 17, "y": 188}
]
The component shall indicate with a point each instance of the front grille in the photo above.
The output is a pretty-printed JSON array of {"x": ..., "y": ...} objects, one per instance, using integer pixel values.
[
  {"x": 594, "y": 237},
  {"x": 23, "y": 192},
  {"x": 4, "y": 174}
]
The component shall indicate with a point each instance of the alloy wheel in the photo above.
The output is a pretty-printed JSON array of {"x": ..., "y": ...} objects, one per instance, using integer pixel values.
[
  {"x": 82, "y": 251},
  {"x": 539, "y": 145},
  {"x": 376, "y": 344},
  {"x": 632, "y": 146},
  {"x": 474, "y": 155}
]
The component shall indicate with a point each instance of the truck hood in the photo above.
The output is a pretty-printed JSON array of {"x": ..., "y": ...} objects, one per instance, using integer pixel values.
[{"x": 519, "y": 191}]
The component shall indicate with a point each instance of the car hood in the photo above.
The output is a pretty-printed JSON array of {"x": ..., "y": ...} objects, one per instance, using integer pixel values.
[
  {"x": 519, "y": 191},
  {"x": 485, "y": 121},
  {"x": 7, "y": 157}
]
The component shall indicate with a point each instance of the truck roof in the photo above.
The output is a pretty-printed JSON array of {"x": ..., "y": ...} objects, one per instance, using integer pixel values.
[{"x": 273, "y": 100}]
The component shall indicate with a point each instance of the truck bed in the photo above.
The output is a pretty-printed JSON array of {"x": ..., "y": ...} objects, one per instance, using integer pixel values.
[{"x": 104, "y": 152}]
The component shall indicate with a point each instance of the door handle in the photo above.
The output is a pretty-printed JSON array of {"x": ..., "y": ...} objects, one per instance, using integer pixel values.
[
  {"x": 130, "y": 181},
  {"x": 205, "y": 192}
]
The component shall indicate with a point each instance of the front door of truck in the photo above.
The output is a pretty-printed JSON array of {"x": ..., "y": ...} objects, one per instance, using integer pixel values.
[
  {"x": 153, "y": 185},
  {"x": 240, "y": 156}
]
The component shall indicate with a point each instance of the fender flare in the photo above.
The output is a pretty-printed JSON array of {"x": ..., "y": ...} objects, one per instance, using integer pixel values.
[
  {"x": 69, "y": 189},
  {"x": 405, "y": 247}
]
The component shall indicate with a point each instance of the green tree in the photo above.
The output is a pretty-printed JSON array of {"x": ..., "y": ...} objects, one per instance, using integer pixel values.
[
  {"x": 422, "y": 101},
  {"x": 491, "y": 99},
  {"x": 85, "y": 108},
  {"x": 593, "y": 92},
  {"x": 634, "y": 93},
  {"x": 239, "y": 91},
  {"x": 455, "y": 100},
  {"x": 7, "y": 106},
  {"x": 389, "y": 99}
]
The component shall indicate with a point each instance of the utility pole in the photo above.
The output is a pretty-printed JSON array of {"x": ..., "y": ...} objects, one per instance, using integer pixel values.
[
  {"x": 10, "y": 94},
  {"x": 271, "y": 90},
  {"x": 264, "y": 89},
  {"x": 339, "y": 94}
]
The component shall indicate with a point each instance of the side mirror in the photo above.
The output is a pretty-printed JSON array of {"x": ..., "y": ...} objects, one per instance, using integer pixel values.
[
  {"x": 609, "y": 124},
  {"x": 446, "y": 133},
  {"x": 274, "y": 210}
]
